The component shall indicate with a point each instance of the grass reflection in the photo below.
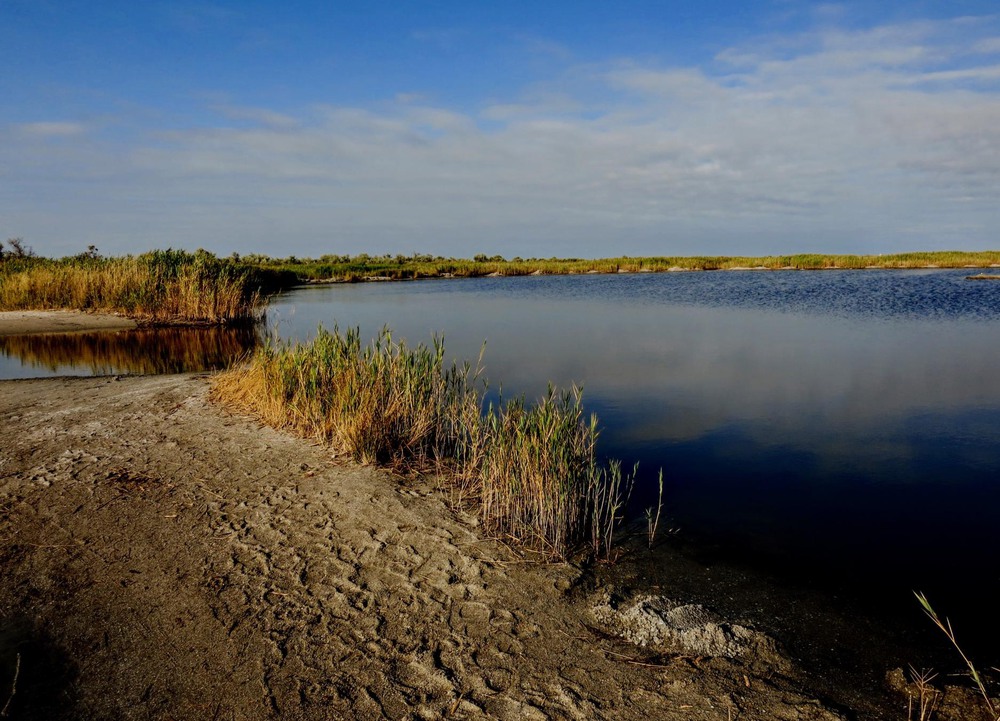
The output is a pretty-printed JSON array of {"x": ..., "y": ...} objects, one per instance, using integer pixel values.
[{"x": 141, "y": 351}]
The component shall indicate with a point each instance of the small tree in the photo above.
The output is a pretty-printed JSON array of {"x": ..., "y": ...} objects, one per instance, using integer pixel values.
[{"x": 18, "y": 249}]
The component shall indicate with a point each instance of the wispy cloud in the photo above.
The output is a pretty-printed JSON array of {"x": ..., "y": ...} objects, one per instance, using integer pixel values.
[
  {"x": 51, "y": 129},
  {"x": 843, "y": 140}
]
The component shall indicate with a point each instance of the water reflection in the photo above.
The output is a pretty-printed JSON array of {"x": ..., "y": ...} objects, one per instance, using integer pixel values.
[
  {"x": 139, "y": 351},
  {"x": 841, "y": 428}
]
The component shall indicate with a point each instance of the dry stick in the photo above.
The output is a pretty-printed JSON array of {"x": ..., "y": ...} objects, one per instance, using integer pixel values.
[
  {"x": 13, "y": 686},
  {"x": 634, "y": 661}
]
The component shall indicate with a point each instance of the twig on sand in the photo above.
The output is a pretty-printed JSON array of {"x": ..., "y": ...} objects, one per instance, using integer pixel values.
[
  {"x": 635, "y": 661},
  {"x": 13, "y": 686}
]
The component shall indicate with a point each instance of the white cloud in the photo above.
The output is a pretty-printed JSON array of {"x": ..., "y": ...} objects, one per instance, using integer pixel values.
[
  {"x": 988, "y": 46},
  {"x": 52, "y": 129},
  {"x": 853, "y": 141}
]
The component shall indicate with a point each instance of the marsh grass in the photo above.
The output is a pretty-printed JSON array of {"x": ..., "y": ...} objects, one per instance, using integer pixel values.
[
  {"x": 530, "y": 469},
  {"x": 365, "y": 267},
  {"x": 163, "y": 286}
]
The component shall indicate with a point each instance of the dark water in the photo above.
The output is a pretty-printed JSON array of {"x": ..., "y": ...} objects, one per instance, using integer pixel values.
[{"x": 838, "y": 431}]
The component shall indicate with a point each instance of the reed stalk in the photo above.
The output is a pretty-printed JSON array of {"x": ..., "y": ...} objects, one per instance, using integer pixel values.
[{"x": 944, "y": 625}]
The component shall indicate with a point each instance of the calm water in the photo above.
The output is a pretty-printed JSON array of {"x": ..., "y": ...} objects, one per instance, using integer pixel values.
[
  {"x": 140, "y": 351},
  {"x": 839, "y": 430},
  {"x": 836, "y": 430}
]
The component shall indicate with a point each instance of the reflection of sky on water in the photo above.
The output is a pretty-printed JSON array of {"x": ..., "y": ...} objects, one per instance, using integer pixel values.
[
  {"x": 848, "y": 422},
  {"x": 671, "y": 373}
]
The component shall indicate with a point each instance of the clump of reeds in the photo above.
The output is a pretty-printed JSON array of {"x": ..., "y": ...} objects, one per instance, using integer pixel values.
[
  {"x": 161, "y": 286},
  {"x": 532, "y": 468},
  {"x": 381, "y": 403}
]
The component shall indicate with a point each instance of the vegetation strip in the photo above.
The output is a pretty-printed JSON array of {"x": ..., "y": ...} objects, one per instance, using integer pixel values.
[
  {"x": 360, "y": 268},
  {"x": 165, "y": 287},
  {"x": 530, "y": 469},
  {"x": 159, "y": 287}
]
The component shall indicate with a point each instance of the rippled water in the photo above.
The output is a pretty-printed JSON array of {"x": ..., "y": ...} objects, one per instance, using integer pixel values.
[{"x": 837, "y": 429}]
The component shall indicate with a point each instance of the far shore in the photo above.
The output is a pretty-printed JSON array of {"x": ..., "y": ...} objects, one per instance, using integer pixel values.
[{"x": 340, "y": 280}]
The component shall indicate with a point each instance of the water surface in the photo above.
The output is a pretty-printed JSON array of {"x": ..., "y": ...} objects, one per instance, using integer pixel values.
[
  {"x": 839, "y": 430},
  {"x": 135, "y": 351}
]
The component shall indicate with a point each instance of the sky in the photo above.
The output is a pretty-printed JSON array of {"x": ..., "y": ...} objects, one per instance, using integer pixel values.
[{"x": 532, "y": 129}]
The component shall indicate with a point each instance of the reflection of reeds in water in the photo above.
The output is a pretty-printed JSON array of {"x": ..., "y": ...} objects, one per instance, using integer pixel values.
[
  {"x": 146, "y": 350},
  {"x": 532, "y": 468}
]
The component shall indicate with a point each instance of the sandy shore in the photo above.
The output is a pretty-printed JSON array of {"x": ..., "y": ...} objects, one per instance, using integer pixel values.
[
  {"x": 162, "y": 558},
  {"x": 21, "y": 322}
]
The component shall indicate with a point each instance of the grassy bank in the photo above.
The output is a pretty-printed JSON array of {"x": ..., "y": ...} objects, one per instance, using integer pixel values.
[
  {"x": 172, "y": 286},
  {"x": 159, "y": 287},
  {"x": 400, "y": 267},
  {"x": 530, "y": 469}
]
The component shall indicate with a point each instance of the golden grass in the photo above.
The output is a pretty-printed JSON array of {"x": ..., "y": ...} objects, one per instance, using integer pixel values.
[
  {"x": 157, "y": 287},
  {"x": 531, "y": 468}
]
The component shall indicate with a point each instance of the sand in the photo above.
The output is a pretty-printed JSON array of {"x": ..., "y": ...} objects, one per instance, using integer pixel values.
[{"x": 20, "y": 322}]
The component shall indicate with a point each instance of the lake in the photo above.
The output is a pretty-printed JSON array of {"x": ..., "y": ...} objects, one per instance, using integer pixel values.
[
  {"x": 835, "y": 430},
  {"x": 839, "y": 430}
]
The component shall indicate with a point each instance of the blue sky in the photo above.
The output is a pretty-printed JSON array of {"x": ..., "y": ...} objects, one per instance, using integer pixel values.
[{"x": 533, "y": 129}]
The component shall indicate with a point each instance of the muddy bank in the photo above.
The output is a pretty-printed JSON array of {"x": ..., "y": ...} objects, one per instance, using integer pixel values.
[{"x": 163, "y": 558}]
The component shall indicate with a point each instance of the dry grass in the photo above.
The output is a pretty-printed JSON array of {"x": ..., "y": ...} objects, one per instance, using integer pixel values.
[
  {"x": 530, "y": 468},
  {"x": 157, "y": 287},
  {"x": 922, "y": 704}
]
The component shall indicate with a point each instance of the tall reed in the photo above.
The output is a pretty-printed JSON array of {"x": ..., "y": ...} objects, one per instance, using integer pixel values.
[
  {"x": 531, "y": 468},
  {"x": 161, "y": 286}
]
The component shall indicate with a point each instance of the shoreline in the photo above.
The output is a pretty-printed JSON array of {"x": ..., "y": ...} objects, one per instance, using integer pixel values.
[
  {"x": 30, "y": 322},
  {"x": 309, "y": 282},
  {"x": 282, "y": 582}
]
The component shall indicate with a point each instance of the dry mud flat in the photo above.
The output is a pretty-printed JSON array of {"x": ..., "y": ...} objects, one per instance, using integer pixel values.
[{"x": 161, "y": 557}]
